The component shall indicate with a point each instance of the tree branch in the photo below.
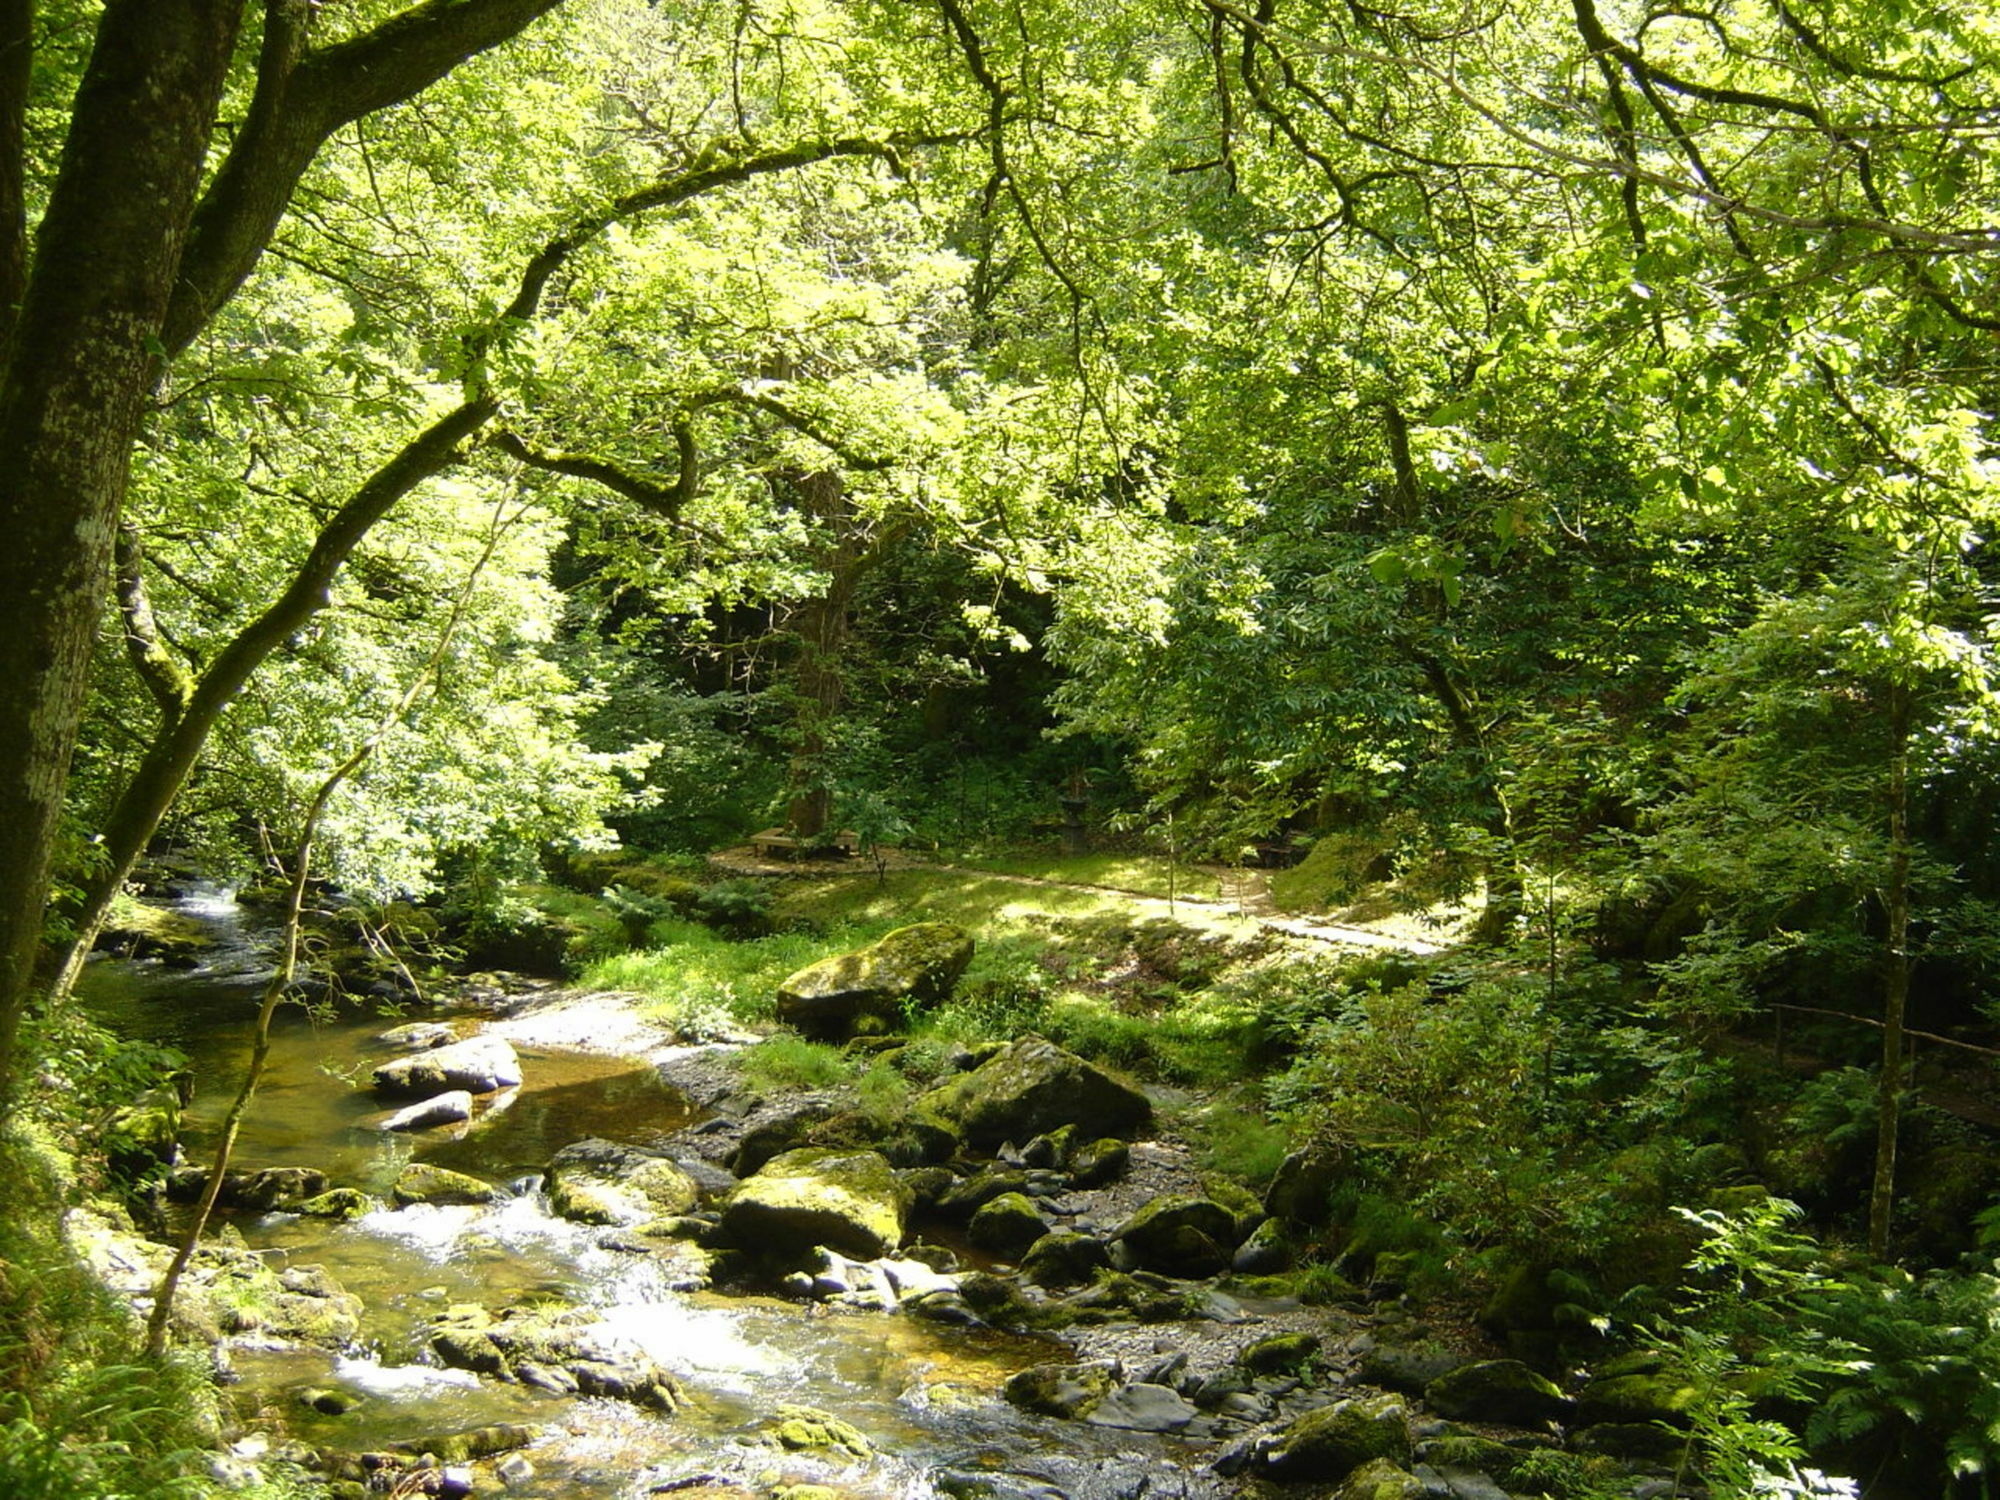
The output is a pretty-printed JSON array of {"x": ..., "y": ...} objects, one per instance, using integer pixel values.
[
  {"x": 302, "y": 97},
  {"x": 798, "y": 421},
  {"x": 159, "y": 669},
  {"x": 666, "y": 501}
]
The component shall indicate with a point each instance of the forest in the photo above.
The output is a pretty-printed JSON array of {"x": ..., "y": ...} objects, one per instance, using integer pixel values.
[{"x": 1391, "y": 599}]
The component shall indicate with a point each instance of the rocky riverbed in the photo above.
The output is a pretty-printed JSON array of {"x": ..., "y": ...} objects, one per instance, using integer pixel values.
[{"x": 605, "y": 1265}]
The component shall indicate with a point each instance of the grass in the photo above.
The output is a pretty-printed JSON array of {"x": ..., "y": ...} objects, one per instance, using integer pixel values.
[
  {"x": 1138, "y": 874},
  {"x": 1235, "y": 1139},
  {"x": 785, "y": 1061},
  {"x": 82, "y": 1413},
  {"x": 690, "y": 970}
]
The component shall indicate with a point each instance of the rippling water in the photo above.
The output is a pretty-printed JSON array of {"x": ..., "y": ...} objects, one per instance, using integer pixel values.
[{"x": 924, "y": 1393}]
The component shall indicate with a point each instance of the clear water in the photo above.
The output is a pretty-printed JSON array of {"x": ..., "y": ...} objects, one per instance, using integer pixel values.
[{"x": 925, "y": 1394}]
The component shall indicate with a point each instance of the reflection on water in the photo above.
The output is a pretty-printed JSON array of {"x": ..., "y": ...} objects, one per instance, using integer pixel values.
[{"x": 924, "y": 1393}]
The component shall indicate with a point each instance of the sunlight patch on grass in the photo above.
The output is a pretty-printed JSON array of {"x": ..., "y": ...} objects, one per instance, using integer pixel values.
[
  {"x": 1141, "y": 874},
  {"x": 686, "y": 967}
]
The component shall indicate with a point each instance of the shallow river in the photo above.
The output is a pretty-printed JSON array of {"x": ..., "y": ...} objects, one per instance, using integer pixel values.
[{"x": 925, "y": 1394}]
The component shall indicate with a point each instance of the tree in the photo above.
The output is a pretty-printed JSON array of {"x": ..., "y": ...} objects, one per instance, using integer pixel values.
[{"x": 130, "y": 257}]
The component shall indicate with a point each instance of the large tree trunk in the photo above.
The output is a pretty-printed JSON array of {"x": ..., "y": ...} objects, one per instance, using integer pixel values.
[
  {"x": 73, "y": 393},
  {"x": 118, "y": 282},
  {"x": 818, "y": 671},
  {"x": 1896, "y": 982}
]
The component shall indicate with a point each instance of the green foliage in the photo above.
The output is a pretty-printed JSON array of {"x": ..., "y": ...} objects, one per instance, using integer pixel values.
[
  {"x": 1232, "y": 1136},
  {"x": 1894, "y": 1371},
  {"x": 82, "y": 1417},
  {"x": 1560, "y": 1476},
  {"x": 738, "y": 908},
  {"x": 785, "y": 1061},
  {"x": 1556, "y": 1124},
  {"x": 95, "y": 1069}
]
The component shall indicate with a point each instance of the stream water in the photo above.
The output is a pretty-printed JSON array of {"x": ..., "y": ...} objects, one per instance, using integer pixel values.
[{"x": 925, "y": 1394}]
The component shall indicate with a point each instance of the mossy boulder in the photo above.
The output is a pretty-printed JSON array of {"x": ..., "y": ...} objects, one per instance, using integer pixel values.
[
  {"x": 850, "y": 1201},
  {"x": 1380, "y": 1479},
  {"x": 1637, "y": 1397},
  {"x": 1326, "y": 1445},
  {"x": 264, "y": 1190},
  {"x": 1064, "y": 1257},
  {"x": 595, "y": 1182},
  {"x": 337, "y": 1203},
  {"x": 1068, "y": 1391},
  {"x": 1180, "y": 1234},
  {"x": 420, "y": 1182},
  {"x": 868, "y": 991},
  {"x": 471, "y": 1445},
  {"x": 1279, "y": 1353},
  {"x": 1031, "y": 1087},
  {"x": 1098, "y": 1162},
  {"x": 1497, "y": 1390},
  {"x": 1265, "y": 1251},
  {"x": 968, "y": 1195},
  {"x": 806, "y": 1429},
  {"x": 238, "y": 1294},
  {"x": 138, "y": 930},
  {"x": 573, "y": 1351},
  {"x": 1302, "y": 1186},
  {"x": 1007, "y": 1225}
]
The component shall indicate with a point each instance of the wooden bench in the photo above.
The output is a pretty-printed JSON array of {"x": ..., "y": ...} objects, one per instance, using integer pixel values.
[{"x": 776, "y": 843}]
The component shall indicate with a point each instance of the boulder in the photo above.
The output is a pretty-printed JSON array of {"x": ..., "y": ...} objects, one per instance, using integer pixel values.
[
  {"x": 968, "y": 1195},
  {"x": 1098, "y": 1162},
  {"x": 850, "y": 1201},
  {"x": 1071, "y": 1391},
  {"x": 1265, "y": 1252},
  {"x": 440, "y": 1109},
  {"x": 1063, "y": 1257},
  {"x": 1007, "y": 1225},
  {"x": 596, "y": 1182},
  {"x": 1407, "y": 1367},
  {"x": 420, "y": 1182},
  {"x": 1330, "y": 1443},
  {"x": 1143, "y": 1407},
  {"x": 1279, "y": 1353},
  {"x": 265, "y": 1189},
  {"x": 1638, "y": 1396},
  {"x": 777, "y": 1127},
  {"x": 1497, "y": 1390},
  {"x": 277, "y": 1188},
  {"x": 1031, "y": 1087},
  {"x": 1380, "y": 1479},
  {"x": 337, "y": 1203},
  {"x": 869, "y": 990},
  {"x": 1179, "y": 1235},
  {"x": 567, "y": 1350},
  {"x": 479, "y": 1066},
  {"x": 1299, "y": 1190},
  {"x": 414, "y": 1036},
  {"x": 807, "y": 1429}
]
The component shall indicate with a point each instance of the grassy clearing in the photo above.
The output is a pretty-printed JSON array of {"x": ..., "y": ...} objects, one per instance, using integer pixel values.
[
  {"x": 693, "y": 971},
  {"x": 1141, "y": 874}
]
